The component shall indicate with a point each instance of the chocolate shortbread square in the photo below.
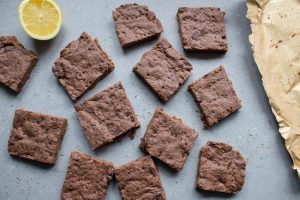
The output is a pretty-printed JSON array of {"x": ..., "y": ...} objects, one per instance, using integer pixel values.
[
  {"x": 202, "y": 29},
  {"x": 168, "y": 139},
  {"x": 81, "y": 64},
  {"x": 215, "y": 96},
  {"x": 16, "y": 63},
  {"x": 139, "y": 179},
  {"x": 163, "y": 69},
  {"x": 106, "y": 116},
  {"x": 220, "y": 169},
  {"x": 135, "y": 24},
  {"x": 36, "y": 136},
  {"x": 87, "y": 178}
]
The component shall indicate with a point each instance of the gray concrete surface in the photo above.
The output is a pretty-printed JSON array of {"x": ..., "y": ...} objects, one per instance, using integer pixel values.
[{"x": 252, "y": 130}]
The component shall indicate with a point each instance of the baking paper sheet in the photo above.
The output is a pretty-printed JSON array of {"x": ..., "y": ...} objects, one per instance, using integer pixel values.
[{"x": 275, "y": 40}]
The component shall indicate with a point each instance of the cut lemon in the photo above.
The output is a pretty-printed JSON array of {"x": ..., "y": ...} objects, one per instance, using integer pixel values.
[{"x": 40, "y": 19}]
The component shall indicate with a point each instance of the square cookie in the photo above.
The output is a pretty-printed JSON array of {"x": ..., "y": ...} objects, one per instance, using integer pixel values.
[
  {"x": 107, "y": 116},
  {"x": 135, "y": 24},
  {"x": 168, "y": 139},
  {"x": 215, "y": 96},
  {"x": 139, "y": 179},
  {"x": 36, "y": 136},
  {"x": 220, "y": 169},
  {"x": 86, "y": 178},
  {"x": 202, "y": 29},
  {"x": 81, "y": 64},
  {"x": 163, "y": 69},
  {"x": 16, "y": 63}
]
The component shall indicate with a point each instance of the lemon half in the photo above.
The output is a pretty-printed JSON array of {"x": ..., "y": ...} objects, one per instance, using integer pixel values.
[{"x": 40, "y": 19}]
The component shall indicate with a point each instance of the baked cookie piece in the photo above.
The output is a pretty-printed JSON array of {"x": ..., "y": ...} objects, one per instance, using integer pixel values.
[
  {"x": 87, "y": 178},
  {"x": 215, "y": 96},
  {"x": 135, "y": 24},
  {"x": 81, "y": 64},
  {"x": 106, "y": 116},
  {"x": 163, "y": 69},
  {"x": 16, "y": 63},
  {"x": 139, "y": 179},
  {"x": 202, "y": 29},
  {"x": 168, "y": 139},
  {"x": 221, "y": 169},
  {"x": 36, "y": 136}
]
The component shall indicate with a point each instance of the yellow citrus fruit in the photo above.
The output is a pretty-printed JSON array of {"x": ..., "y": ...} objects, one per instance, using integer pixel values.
[{"x": 40, "y": 19}]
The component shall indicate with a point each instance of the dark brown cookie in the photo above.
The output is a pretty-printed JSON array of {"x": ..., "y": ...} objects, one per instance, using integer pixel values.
[
  {"x": 139, "y": 179},
  {"x": 221, "y": 169},
  {"x": 202, "y": 29},
  {"x": 36, "y": 136},
  {"x": 163, "y": 69},
  {"x": 16, "y": 63},
  {"x": 135, "y": 23},
  {"x": 215, "y": 96},
  {"x": 87, "y": 178},
  {"x": 106, "y": 116},
  {"x": 81, "y": 64},
  {"x": 168, "y": 139}
]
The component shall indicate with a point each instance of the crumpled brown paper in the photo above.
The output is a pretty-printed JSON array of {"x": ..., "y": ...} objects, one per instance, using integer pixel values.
[{"x": 275, "y": 40}]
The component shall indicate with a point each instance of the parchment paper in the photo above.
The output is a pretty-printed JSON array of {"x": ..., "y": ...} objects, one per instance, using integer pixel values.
[{"x": 275, "y": 40}]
